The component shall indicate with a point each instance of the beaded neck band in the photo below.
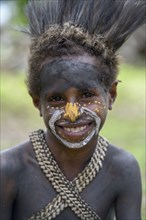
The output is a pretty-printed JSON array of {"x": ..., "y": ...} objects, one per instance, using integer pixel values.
[{"x": 68, "y": 191}]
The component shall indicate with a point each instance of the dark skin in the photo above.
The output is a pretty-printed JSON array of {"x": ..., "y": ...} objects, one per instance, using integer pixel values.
[{"x": 25, "y": 189}]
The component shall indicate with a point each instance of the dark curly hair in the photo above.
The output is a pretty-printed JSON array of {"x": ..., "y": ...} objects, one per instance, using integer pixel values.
[{"x": 73, "y": 27}]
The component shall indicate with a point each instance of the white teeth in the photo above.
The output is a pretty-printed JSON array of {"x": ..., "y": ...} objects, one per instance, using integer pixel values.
[{"x": 76, "y": 129}]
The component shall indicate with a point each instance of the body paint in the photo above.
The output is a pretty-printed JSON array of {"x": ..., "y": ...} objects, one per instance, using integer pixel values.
[{"x": 68, "y": 73}]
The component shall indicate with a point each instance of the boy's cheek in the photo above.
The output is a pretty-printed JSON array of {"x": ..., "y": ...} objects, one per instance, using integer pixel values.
[{"x": 100, "y": 110}]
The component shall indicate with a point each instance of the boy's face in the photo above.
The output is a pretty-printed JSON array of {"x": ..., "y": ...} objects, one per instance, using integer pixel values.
[{"x": 72, "y": 102}]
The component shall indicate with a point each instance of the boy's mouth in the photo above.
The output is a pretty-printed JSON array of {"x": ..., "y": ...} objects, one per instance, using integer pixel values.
[
  {"x": 75, "y": 129},
  {"x": 74, "y": 132}
]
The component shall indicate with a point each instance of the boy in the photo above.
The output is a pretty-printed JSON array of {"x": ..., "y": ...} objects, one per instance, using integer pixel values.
[{"x": 70, "y": 171}]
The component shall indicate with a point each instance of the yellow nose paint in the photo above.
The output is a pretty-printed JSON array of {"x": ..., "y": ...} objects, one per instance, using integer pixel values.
[{"x": 72, "y": 111}]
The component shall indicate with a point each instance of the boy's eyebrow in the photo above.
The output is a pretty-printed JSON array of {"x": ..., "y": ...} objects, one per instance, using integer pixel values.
[
  {"x": 48, "y": 94},
  {"x": 87, "y": 89}
]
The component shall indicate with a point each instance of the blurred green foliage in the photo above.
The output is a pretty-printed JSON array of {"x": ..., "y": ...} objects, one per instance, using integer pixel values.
[{"x": 20, "y": 17}]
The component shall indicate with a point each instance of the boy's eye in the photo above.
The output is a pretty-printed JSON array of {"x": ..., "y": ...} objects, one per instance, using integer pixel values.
[
  {"x": 56, "y": 99},
  {"x": 87, "y": 94}
]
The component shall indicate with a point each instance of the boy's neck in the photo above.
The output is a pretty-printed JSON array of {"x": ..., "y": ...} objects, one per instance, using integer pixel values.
[{"x": 70, "y": 161}]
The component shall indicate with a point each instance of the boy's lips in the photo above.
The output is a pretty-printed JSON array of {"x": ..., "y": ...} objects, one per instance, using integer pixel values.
[{"x": 74, "y": 132}]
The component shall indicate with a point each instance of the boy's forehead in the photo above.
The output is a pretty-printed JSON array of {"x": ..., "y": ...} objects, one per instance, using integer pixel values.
[{"x": 61, "y": 74}]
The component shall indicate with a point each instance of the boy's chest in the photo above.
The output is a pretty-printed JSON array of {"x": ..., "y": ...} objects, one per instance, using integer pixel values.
[{"x": 63, "y": 200}]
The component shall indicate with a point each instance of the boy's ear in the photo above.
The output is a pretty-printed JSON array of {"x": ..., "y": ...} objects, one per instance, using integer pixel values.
[
  {"x": 112, "y": 94},
  {"x": 36, "y": 102}
]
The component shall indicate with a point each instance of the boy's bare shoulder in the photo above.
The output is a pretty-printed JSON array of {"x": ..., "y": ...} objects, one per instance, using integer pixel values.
[
  {"x": 121, "y": 158},
  {"x": 14, "y": 169},
  {"x": 14, "y": 159},
  {"x": 122, "y": 164}
]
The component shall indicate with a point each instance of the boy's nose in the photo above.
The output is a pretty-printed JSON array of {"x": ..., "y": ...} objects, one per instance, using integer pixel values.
[{"x": 71, "y": 111}]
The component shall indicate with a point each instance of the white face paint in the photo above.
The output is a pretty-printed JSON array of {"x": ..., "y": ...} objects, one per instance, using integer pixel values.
[{"x": 57, "y": 115}]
